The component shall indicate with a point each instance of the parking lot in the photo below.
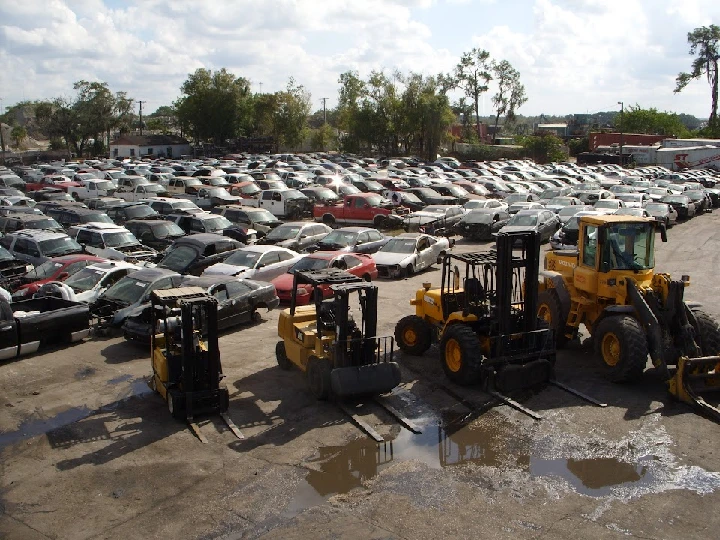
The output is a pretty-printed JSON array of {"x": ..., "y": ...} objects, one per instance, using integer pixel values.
[{"x": 89, "y": 452}]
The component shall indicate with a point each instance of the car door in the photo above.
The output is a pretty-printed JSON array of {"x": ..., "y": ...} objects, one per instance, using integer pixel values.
[
  {"x": 226, "y": 310},
  {"x": 268, "y": 266},
  {"x": 375, "y": 241},
  {"x": 242, "y": 301},
  {"x": 423, "y": 250}
]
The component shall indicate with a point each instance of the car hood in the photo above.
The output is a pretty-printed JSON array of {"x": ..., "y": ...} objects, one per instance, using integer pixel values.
[
  {"x": 284, "y": 282},
  {"x": 518, "y": 228},
  {"x": 388, "y": 258},
  {"x": 224, "y": 269}
]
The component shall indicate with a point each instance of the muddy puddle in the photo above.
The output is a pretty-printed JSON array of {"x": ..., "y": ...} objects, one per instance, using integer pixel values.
[
  {"x": 493, "y": 441},
  {"x": 40, "y": 426}
]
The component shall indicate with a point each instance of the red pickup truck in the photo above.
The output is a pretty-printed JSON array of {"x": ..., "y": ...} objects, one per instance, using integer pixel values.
[
  {"x": 57, "y": 182},
  {"x": 361, "y": 209}
]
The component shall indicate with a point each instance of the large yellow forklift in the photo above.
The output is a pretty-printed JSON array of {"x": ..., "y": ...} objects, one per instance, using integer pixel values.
[
  {"x": 337, "y": 348},
  {"x": 186, "y": 357},
  {"x": 610, "y": 286},
  {"x": 484, "y": 315}
]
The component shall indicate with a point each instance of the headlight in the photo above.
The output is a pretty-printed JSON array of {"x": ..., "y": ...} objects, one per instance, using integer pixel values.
[{"x": 28, "y": 268}]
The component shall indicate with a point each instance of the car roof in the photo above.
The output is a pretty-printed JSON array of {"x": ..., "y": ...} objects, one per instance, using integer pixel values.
[
  {"x": 151, "y": 274},
  {"x": 78, "y": 257},
  {"x": 109, "y": 265},
  {"x": 203, "y": 239},
  {"x": 208, "y": 281},
  {"x": 355, "y": 229},
  {"x": 99, "y": 226},
  {"x": 38, "y": 234},
  {"x": 258, "y": 248},
  {"x": 530, "y": 211}
]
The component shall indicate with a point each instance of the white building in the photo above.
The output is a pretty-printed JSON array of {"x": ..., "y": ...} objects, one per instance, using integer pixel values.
[{"x": 135, "y": 146}]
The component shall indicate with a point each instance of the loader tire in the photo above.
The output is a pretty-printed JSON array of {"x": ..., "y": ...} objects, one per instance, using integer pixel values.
[
  {"x": 550, "y": 311},
  {"x": 621, "y": 344},
  {"x": 413, "y": 335},
  {"x": 318, "y": 375},
  {"x": 281, "y": 356},
  {"x": 460, "y": 355},
  {"x": 708, "y": 331}
]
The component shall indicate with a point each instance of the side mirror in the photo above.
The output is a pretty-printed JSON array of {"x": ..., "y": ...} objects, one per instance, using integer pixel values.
[{"x": 663, "y": 232}]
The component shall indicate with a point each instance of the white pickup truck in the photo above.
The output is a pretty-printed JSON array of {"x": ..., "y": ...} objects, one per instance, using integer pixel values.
[
  {"x": 91, "y": 188},
  {"x": 140, "y": 192},
  {"x": 286, "y": 203}
]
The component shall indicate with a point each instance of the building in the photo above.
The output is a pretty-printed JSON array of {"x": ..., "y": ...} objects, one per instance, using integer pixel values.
[
  {"x": 135, "y": 146},
  {"x": 606, "y": 139},
  {"x": 561, "y": 130}
]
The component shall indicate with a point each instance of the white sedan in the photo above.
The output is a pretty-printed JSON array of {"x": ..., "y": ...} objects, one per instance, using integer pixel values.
[
  {"x": 91, "y": 281},
  {"x": 408, "y": 253},
  {"x": 263, "y": 263}
]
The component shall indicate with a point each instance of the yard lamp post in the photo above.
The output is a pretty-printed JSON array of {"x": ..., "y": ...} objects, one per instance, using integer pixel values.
[{"x": 622, "y": 111}]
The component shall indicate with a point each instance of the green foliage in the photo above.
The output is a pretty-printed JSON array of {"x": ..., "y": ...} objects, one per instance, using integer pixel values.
[
  {"x": 578, "y": 146},
  {"x": 164, "y": 120},
  {"x": 91, "y": 114},
  {"x": 705, "y": 43},
  {"x": 323, "y": 139},
  {"x": 472, "y": 75},
  {"x": 650, "y": 121},
  {"x": 290, "y": 115},
  {"x": 543, "y": 147},
  {"x": 510, "y": 95},
  {"x": 488, "y": 152},
  {"x": 214, "y": 106},
  {"x": 18, "y": 134}
]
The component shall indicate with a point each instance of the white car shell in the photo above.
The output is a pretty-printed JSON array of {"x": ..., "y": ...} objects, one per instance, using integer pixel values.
[
  {"x": 408, "y": 253},
  {"x": 91, "y": 281},
  {"x": 262, "y": 262}
]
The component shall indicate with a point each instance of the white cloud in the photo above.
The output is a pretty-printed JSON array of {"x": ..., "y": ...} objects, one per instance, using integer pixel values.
[{"x": 573, "y": 55}]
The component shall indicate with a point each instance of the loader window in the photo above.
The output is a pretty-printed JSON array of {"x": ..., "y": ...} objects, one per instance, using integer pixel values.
[
  {"x": 629, "y": 246},
  {"x": 589, "y": 245}
]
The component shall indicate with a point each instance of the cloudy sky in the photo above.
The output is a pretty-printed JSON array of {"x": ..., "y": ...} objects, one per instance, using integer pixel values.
[{"x": 574, "y": 56}]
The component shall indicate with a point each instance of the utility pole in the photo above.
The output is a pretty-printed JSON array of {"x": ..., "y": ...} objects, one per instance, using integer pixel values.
[
  {"x": 324, "y": 110},
  {"x": 141, "y": 122},
  {"x": 260, "y": 84},
  {"x": 622, "y": 111},
  {"x": 2, "y": 137}
]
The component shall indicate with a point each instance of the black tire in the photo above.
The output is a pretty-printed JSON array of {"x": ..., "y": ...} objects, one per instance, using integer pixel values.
[
  {"x": 329, "y": 220},
  {"x": 621, "y": 345},
  {"x": 318, "y": 375},
  {"x": 708, "y": 331},
  {"x": 550, "y": 310},
  {"x": 367, "y": 277},
  {"x": 409, "y": 271},
  {"x": 441, "y": 257},
  {"x": 281, "y": 356},
  {"x": 75, "y": 196},
  {"x": 460, "y": 355},
  {"x": 255, "y": 316},
  {"x": 413, "y": 335},
  {"x": 379, "y": 222},
  {"x": 175, "y": 405}
]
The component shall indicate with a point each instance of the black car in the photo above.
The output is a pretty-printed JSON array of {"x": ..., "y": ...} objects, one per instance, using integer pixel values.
[
  {"x": 430, "y": 196},
  {"x": 238, "y": 302},
  {"x": 11, "y": 270},
  {"x": 544, "y": 222},
  {"x": 51, "y": 194},
  {"x": 16, "y": 222},
  {"x": 460, "y": 194},
  {"x": 481, "y": 223},
  {"x": 158, "y": 234},
  {"x": 130, "y": 210},
  {"x": 67, "y": 216},
  {"x": 702, "y": 201},
  {"x": 320, "y": 195},
  {"x": 263, "y": 221},
  {"x": 214, "y": 224},
  {"x": 353, "y": 239},
  {"x": 193, "y": 254}
]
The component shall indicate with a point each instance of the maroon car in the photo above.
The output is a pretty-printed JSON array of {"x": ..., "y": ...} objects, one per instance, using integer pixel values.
[{"x": 56, "y": 269}]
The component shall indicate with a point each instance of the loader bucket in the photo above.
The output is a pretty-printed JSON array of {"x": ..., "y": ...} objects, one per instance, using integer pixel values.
[
  {"x": 373, "y": 379},
  {"x": 694, "y": 379}
]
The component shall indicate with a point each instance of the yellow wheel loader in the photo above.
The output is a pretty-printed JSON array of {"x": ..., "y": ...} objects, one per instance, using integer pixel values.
[{"x": 610, "y": 286}]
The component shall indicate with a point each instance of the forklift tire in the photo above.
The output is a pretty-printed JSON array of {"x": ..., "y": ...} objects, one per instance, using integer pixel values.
[
  {"x": 621, "y": 344},
  {"x": 175, "y": 405},
  {"x": 413, "y": 335},
  {"x": 318, "y": 375},
  {"x": 550, "y": 311},
  {"x": 460, "y": 355},
  {"x": 708, "y": 331},
  {"x": 281, "y": 356}
]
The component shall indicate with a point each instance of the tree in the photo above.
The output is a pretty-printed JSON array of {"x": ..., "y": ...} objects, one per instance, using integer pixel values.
[
  {"x": 651, "y": 121},
  {"x": 472, "y": 75},
  {"x": 464, "y": 110},
  {"x": 290, "y": 115},
  {"x": 543, "y": 147},
  {"x": 704, "y": 43},
  {"x": 510, "y": 94},
  {"x": 164, "y": 119},
  {"x": 18, "y": 134},
  {"x": 323, "y": 139},
  {"x": 214, "y": 106}
]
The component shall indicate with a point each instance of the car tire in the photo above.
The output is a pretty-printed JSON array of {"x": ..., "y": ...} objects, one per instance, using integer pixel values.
[{"x": 281, "y": 356}]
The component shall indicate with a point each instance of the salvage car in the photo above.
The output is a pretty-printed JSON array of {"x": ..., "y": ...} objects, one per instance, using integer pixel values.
[
  {"x": 296, "y": 235},
  {"x": 481, "y": 223},
  {"x": 193, "y": 254},
  {"x": 684, "y": 207},
  {"x": 255, "y": 262},
  {"x": 158, "y": 234},
  {"x": 663, "y": 213},
  {"x": 544, "y": 222},
  {"x": 90, "y": 282},
  {"x": 351, "y": 239},
  {"x": 56, "y": 269},
  {"x": 357, "y": 264},
  {"x": 408, "y": 253}
]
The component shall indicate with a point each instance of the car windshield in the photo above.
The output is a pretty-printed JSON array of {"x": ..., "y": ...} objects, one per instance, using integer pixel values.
[
  {"x": 283, "y": 232},
  {"x": 629, "y": 197},
  {"x": 339, "y": 238},
  {"x": 218, "y": 181},
  {"x": 261, "y": 216},
  {"x": 550, "y": 193},
  {"x": 656, "y": 207},
  {"x": 434, "y": 210},
  {"x": 105, "y": 185},
  {"x": 163, "y": 230},
  {"x": 399, "y": 245},
  {"x": 217, "y": 192},
  {"x": 309, "y": 263},
  {"x": 153, "y": 188},
  {"x": 326, "y": 193},
  {"x": 294, "y": 194},
  {"x": 676, "y": 199},
  {"x": 100, "y": 217},
  {"x": 657, "y": 191},
  {"x": 250, "y": 189},
  {"x": 179, "y": 258},
  {"x": 524, "y": 220},
  {"x": 629, "y": 246},
  {"x": 59, "y": 246},
  {"x": 217, "y": 223},
  {"x": 607, "y": 203},
  {"x": 127, "y": 291},
  {"x": 561, "y": 201},
  {"x": 45, "y": 270},
  {"x": 139, "y": 211},
  {"x": 47, "y": 223},
  {"x": 85, "y": 279},
  {"x": 120, "y": 239},
  {"x": 5, "y": 255},
  {"x": 570, "y": 210},
  {"x": 516, "y": 197},
  {"x": 479, "y": 217},
  {"x": 243, "y": 258},
  {"x": 629, "y": 212},
  {"x": 182, "y": 205}
]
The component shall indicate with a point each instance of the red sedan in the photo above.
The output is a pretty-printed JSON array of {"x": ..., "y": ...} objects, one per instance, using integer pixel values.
[
  {"x": 56, "y": 269},
  {"x": 356, "y": 263}
]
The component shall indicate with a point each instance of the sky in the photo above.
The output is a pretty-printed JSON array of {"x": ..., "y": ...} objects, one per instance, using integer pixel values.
[{"x": 574, "y": 56}]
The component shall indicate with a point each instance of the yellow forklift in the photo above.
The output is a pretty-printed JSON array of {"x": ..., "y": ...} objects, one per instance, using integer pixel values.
[{"x": 186, "y": 357}]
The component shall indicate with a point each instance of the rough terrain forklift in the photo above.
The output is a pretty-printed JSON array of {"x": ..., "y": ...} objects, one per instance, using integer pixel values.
[
  {"x": 484, "y": 316},
  {"x": 340, "y": 353},
  {"x": 609, "y": 285},
  {"x": 185, "y": 353}
]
